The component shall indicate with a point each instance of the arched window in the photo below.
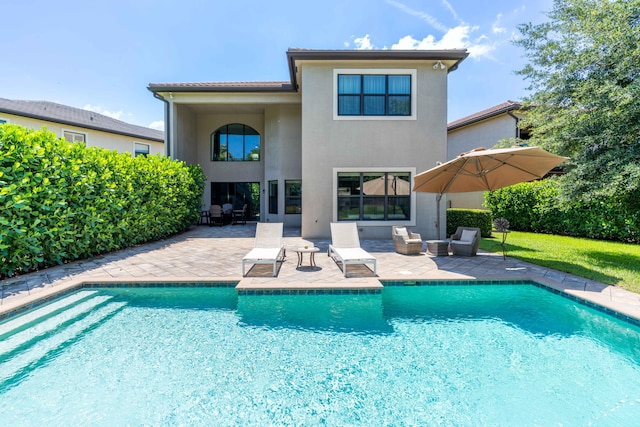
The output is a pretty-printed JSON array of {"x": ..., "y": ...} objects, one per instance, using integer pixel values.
[{"x": 235, "y": 142}]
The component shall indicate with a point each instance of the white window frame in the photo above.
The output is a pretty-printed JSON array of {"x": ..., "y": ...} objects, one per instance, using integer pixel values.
[
  {"x": 75, "y": 132},
  {"x": 385, "y": 71},
  {"x": 411, "y": 222},
  {"x": 136, "y": 144},
  {"x": 4, "y": 120}
]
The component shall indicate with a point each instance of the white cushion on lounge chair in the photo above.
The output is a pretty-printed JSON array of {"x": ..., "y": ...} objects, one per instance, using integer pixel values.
[
  {"x": 268, "y": 246},
  {"x": 467, "y": 236},
  {"x": 345, "y": 246}
]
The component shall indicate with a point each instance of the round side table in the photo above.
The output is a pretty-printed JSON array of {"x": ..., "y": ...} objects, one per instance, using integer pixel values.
[{"x": 311, "y": 250}]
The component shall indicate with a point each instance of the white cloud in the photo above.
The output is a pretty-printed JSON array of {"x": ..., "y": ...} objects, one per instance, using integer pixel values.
[
  {"x": 100, "y": 110},
  {"x": 451, "y": 9},
  {"x": 363, "y": 43},
  {"x": 456, "y": 38},
  {"x": 495, "y": 27},
  {"x": 157, "y": 125},
  {"x": 422, "y": 15}
]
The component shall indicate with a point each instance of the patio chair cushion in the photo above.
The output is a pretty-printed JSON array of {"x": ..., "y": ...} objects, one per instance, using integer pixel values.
[
  {"x": 467, "y": 236},
  {"x": 401, "y": 231}
]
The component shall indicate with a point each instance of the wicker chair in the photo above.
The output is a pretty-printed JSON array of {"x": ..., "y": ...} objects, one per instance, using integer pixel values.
[
  {"x": 405, "y": 241},
  {"x": 465, "y": 244}
]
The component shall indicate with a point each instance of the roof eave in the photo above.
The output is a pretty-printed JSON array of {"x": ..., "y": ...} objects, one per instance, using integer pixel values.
[
  {"x": 294, "y": 55},
  {"x": 507, "y": 109},
  {"x": 156, "y": 88},
  {"x": 78, "y": 125}
]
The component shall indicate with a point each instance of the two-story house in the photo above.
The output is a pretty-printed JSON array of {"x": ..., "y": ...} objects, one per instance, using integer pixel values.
[
  {"x": 78, "y": 125},
  {"x": 339, "y": 141}
]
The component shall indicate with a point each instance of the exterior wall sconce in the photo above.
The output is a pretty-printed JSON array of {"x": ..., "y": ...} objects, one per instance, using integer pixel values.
[{"x": 439, "y": 66}]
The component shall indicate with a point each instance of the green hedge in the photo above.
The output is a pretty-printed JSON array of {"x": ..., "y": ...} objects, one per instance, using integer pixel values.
[
  {"x": 61, "y": 201},
  {"x": 537, "y": 207},
  {"x": 469, "y": 218}
]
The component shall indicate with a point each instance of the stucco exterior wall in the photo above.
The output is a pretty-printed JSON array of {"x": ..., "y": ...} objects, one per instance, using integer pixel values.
[
  {"x": 368, "y": 145},
  {"x": 94, "y": 138},
  {"x": 185, "y": 133},
  {"x": 282, "y": 157}
]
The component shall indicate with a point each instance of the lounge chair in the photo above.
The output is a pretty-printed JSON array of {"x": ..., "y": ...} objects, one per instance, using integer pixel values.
[
  {"x": 215, "y": 215},
  {"x": 465, "y": 241},
  {"x": 405, "y": 241},
  {"x": 345, "y": 246},
  {"x": 268, "y": 247}
]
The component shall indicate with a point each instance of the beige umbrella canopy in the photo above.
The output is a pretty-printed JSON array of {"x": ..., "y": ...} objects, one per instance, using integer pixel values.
[
  {"x": 486, "y": 170},
  {"x": 395, "y": 186}
]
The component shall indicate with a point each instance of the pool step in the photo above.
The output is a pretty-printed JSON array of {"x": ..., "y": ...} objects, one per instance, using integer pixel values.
[
  {"x": 47, "y": 323},
  {"x": 21, "y": 322},
  {"x": 39, "y": 349}
]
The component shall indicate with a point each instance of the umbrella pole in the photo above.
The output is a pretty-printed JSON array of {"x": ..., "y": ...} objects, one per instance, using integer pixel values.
[{"x": 438, "y": 198}]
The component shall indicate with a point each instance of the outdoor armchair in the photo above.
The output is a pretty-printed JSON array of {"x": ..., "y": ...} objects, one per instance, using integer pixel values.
[
  {"x": 465, "y": 241},
  {"x": 405, "y": 241}
]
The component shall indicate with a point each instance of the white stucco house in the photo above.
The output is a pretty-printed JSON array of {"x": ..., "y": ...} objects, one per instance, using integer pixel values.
[
  {"x": 78, "y": 125},
  {"x": 339, "y": 141},
  {"x": 482, "y": 129}
]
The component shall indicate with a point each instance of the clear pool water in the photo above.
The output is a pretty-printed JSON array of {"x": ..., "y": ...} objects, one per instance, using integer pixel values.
[{"x": 446, "y": 355}]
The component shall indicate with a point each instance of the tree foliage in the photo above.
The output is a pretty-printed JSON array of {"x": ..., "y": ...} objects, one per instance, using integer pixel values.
[{"x": 583, "y": 69}]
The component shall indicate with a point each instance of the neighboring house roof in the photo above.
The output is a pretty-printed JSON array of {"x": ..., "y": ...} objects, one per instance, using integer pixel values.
[
  {"x": 294, "y": 55},
  {"x": 63, "y": 114},
  {"x": 496, "y": 110}
]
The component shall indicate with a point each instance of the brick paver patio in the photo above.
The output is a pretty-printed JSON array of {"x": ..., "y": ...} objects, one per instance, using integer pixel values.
[{"x": 214, "y": 254}]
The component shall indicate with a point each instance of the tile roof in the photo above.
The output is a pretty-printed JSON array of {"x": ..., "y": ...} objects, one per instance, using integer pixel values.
[
  {"x": 295, "y": 54},
  {"x": 485, "y": 114},
  {"x": 222, "y": 87},
  {"x": 63, "y": 114}
]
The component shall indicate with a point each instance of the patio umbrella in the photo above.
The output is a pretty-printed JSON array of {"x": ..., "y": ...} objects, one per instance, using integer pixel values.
[{"x": 485, "y": 170}]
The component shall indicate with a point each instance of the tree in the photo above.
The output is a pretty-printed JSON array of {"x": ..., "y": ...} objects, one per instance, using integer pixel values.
[{"x": 583, "y": 69}]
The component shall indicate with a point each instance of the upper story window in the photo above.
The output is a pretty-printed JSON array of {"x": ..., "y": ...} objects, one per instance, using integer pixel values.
[
  {"x": 2, "y": 121},
  {"x": 74, "y": 136},
  {"x": 374, "y": 95},
  {"x": 235, "y": 142}
]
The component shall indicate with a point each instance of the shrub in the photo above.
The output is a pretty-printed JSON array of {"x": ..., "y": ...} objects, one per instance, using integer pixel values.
[
  {"x": 479, "y": 218},
  {"x": 539, "y": 207},
  {"x": 60, "y": 201}
]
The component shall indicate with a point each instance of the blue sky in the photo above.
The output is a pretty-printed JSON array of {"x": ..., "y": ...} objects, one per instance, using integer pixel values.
[{"x": 102, "y": 54}]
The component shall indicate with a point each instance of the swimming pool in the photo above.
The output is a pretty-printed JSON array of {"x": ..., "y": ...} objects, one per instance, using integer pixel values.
[{"x": 419, "y": 355}]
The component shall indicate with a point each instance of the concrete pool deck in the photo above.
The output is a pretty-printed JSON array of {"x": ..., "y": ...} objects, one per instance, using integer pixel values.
[{"x": 212, "y": 254}]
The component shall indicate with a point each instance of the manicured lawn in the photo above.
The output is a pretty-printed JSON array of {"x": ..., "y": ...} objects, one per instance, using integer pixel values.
[{"x": 607, "y": 262}]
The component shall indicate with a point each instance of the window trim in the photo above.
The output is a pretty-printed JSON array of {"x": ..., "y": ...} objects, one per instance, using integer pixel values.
[
  {"x": 271, "y": 197},
  {"x": 244, "y": 143},
  {"x": 75, "y": 132},
  {"x": 384, "y": 71},
  {"x": 411, "y": 222},
  {"x": 292, "y": 197},
  {"x": 135, "y": 151}
]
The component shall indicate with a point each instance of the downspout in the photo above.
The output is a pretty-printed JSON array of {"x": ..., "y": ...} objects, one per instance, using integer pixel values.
[
  {"x": 517, "y": 121},
  {"x": 168, "y": 149}
]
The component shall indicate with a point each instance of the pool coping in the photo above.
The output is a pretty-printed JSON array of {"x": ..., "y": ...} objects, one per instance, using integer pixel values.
[{"x": 598, "y": 296}]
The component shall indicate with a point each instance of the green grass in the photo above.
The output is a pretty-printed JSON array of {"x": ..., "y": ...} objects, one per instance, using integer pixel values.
[{"x": 612, "y": 263}]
